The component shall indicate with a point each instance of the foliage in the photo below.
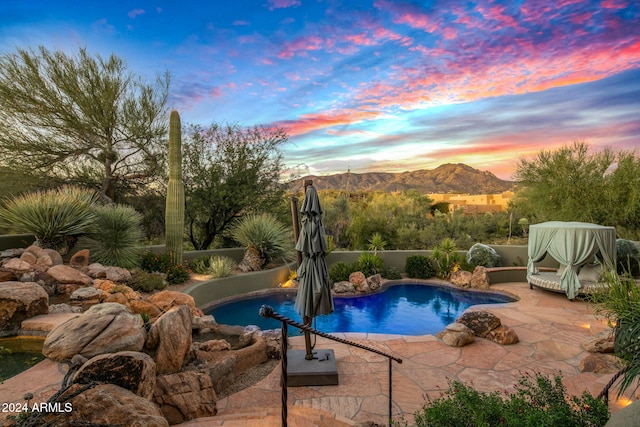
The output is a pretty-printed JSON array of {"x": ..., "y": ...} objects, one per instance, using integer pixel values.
[
  {"x": 143, "y": 281},
  {"x": 484, "y": 255},
  {"x": 174, "y": 212},
  {"x": 81, "y": 118},
  {"x": 620, "y": 305},
  {"x": 200, "y": 265},
  {"x": 537, "y": 401},
  {"x": 163, "y": 263},
  {"x": 340, "y": 271},
  {"x": 221, "y": 266},
  {"x": 391, "y": 273},
  {"x": 628, "y": 257},
  {"x": 377, "y": 243},
  {"x": 115, "y": 236},
  {"x": 228, "y": 171},
  {"x": 446, "y": 258},
  {"x": 265, "y": 233},
  {"x": 55, "y": 217},
  {"x": 369, "y": 264},
  {"x": 419, "y": 267}
]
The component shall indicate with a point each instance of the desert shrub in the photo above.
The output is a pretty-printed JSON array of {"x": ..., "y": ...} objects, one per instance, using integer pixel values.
[
  {"x": 419, "y": 267},
  {"x": 537, "y": 401},
  {"x": 115, "y": 236},
  {"x": 446, "y": 258},
  {"x": 484, "y": 255},
  {"x": 628, "y": 257},
  {"x": 220, "y": 266},
  {"x": 391, "y": 273},
  {"x": 200, "y": 265},
  {"x": 143, "y": 281},
  {"x": 55, "y": 217},
  {"x": 264, "y": 233},
  {"x": 162, "y": 263},
  {"x": 369, "y": 264},
  {"x": 340, "y": 271}
]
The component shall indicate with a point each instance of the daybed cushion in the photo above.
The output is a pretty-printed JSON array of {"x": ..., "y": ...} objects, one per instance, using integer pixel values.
[
  {"x": 590, "y": 273},
  {"x": 551, "y": 282}
]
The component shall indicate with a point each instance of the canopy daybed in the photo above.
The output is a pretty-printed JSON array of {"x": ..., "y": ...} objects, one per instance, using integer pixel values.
[{"x": 575, "y": 245}]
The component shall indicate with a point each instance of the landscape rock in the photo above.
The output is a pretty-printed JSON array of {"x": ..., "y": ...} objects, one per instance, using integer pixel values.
[
  {"x": 11, "y": 253},
  {"x": 7, "y": 276},
  {"x": 103, "y": 328},
  {"x": 211, "y": 345},
  {"x": 20, "y": 301},
  {"x": 343, "y": 288},
  {"x": 107, "y": 405},
  {"x": 480, "y": 278},
  {"x": 456, "y": 335},
  {"x": 80, "y": 259},
  {"x": 131, "y": 370},
  {"x": 503, "y": 335},
  {"x": 374, "y": 282},
  {"x": 601, "y": 342},
  {"x": 86, "y": 294},
  {"x": 480, "y": 322},
  {"x": 164, "y": 300},
  {"x": 65, "y": 274},
  {"x": 17, "y": 266},
  {"x": 55, "y": 256},
  {"x": 41, "y": 278},
  {"x": 141, "y": 306},
  {"x": 184, "y": 396},
  {"x": 461, "y": 278},
  {"x": 170, "y": 336},
  {"x": 64, "y": 308},
  {"x": 359, "y": 281},
  {"x": 600, "y": 363}
]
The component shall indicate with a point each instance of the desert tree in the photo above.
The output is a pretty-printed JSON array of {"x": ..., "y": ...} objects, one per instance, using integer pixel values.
[
  {"x": 83, "y": 118},
  {"x": 229, "y": 171}
]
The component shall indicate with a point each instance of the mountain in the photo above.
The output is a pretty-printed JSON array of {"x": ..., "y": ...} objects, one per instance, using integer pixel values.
[{"x": 447, "y": 178}]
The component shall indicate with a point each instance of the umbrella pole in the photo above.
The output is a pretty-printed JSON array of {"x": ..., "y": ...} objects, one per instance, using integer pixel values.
[{"x": 307, "y": 338}]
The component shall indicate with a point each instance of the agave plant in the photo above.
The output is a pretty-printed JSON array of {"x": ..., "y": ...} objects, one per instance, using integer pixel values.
[
  {"x": 265, "y": 239},
  {"x": 115, "y": 236},
  {"x": 55, "y": 217}
]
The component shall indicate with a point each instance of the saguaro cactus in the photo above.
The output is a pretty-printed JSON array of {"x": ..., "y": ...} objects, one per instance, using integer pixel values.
[{"x": 174, "y": 215}]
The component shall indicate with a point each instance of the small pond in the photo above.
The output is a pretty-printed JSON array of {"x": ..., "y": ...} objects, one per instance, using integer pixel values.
[
  {"x": 18, "y": 354},
  {"x": 404, "y": 309}
]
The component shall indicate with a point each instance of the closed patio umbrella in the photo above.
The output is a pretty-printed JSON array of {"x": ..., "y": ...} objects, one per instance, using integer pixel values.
[{"x": 314, "y": 288}]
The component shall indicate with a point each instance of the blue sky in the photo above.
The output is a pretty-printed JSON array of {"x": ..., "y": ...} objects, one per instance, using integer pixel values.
[{"x": 377, "y": 85}]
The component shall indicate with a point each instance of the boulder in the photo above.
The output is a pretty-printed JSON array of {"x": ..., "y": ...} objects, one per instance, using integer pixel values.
[
  {"x": 359, "y": 281},
  {"x": 141, "y": 306},
  {"x": 164, "y": 300},
  {"x": 170, "y": 336},
  {"x": 55, "y": 256},
  {"x": 461, "y": 278},
  {"x": 503, "y": 335},
  {"x": 103, "y": 328},
  {"x": 456, "y": 335},
  {"x": 80, "y": 259},
  {"x": 7, "y": 276},
  {"x": 184, "y": 396},
  {"x": 480, "y": 278},
  {"x": 601, "y": 342},
  {"x": 41, "y": 278},
  {"x": 106, "y": 405},
  {"x": 131, "y": 370},
  {"x": 343, "y": 288},
  {"x": 211, "y": 345},
  {"x": 20, "y": 301},
  {"x": 86, "y": 294},
  {"x": 17, "y": 266},
  {"x": 374, "y": 282},
  {"x": 68, "y": 275},
  {"x": 480, "y": 322},
  {"x": 64, "y": 308},
  {"x": 600, "y": 364}
]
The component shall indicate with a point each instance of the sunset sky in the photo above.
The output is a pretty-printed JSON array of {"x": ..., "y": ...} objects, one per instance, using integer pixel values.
[{"x": 376, "y": 85}]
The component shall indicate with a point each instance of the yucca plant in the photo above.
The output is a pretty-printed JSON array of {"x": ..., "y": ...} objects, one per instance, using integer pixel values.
[
  {"x": 265, "y": 239},
  {"x": 55, "y": 217},
  {"x": 115, "y": 236},
  {"x": 220, "y": 266},
  {"x": 377, "y": 243}
]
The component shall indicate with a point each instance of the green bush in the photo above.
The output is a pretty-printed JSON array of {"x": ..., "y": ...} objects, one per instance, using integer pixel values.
[
  {"x": 162, "y": 263},
  {"x": 55, "y": 217},
  {"x": 628, "y": 257},
  {"x": 537, "y": 401},
  {"x": 391, "y": 273},
  {"x": 220, "y": 266},
  {"x": 486, "y": 256},
  {"x": 340, "y": 271},
  {"x": 264, "y": 233},
  {"x": 369, "y": 264},
  {"x": 143, "y": 281},
  {"x": 200, "y": 265},
  {"x": 115, "y": 236},
  {"x": 446, "y": 258},
  {"x": 419, "y": 267}
]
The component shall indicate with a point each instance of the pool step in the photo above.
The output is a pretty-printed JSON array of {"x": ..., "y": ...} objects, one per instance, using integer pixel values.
[{"x": 297, "y": 416}]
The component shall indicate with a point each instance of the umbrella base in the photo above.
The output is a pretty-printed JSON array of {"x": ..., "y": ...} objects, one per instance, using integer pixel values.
[{"x": 319, "y": 371}]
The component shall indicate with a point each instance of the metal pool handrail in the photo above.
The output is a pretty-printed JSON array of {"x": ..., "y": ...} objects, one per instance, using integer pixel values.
[{"x": 267, "y": 311}]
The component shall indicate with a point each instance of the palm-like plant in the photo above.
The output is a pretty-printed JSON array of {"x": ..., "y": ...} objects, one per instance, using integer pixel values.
[
  {"x": 377, "y": 243},
  {"x": 55, "y": 217},
  {"x": 115, "y": 236},
  {"x": 265, "y": 239}
]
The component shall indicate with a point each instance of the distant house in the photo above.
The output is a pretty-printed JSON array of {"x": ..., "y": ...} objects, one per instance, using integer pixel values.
[{"x": 473, "y": 204}]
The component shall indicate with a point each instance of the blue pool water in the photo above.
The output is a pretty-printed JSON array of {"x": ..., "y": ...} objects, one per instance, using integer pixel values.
[{"x": 400, "y": 309}]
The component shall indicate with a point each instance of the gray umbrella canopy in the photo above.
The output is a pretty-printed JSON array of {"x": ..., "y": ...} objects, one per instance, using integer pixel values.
[{"x": 314, "y": 288}]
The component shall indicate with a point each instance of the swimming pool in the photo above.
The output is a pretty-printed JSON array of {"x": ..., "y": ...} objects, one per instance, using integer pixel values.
[{"x": 405, "y": 309}]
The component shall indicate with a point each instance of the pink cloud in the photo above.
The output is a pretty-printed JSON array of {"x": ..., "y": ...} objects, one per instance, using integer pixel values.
[
  {"x": 281, "y": 4},
  {"x": 135, "y": 12},
  {"x": 312, "y": 122},
  {"x": 301, "y": 44}
]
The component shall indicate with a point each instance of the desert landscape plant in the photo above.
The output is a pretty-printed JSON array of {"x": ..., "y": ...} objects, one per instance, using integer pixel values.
[
  {"x": 174, "y": 212},
  {"x": 220, "y": 266},
  {"x": 265, "y": 238}
]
